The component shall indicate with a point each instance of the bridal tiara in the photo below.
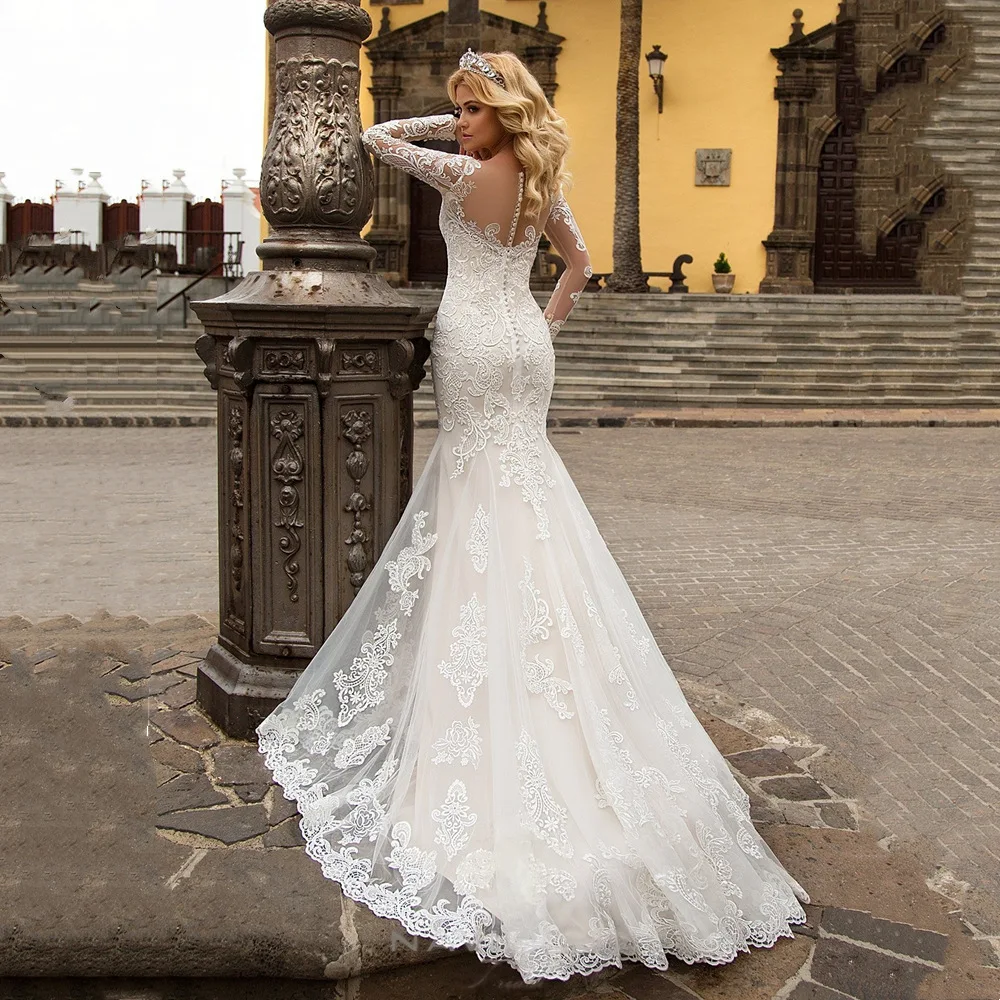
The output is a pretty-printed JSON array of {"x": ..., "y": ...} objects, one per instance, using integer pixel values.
[{"x": 474, "y": 61}]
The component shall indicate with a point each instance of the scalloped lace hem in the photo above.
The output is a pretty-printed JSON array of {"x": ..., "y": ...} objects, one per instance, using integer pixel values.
[{"x": 495, "y": 949}]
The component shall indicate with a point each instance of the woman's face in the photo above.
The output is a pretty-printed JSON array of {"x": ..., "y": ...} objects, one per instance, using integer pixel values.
[{"x": 479, "y": 130}]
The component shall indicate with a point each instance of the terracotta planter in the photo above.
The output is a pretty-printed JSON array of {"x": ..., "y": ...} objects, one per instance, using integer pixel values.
[{"x": 724, "y": 282}]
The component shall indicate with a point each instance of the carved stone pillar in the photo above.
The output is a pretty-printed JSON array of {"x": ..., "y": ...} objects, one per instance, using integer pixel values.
[
  {"x": 314, "y": 360},
  {"x": 388, "y": 234},
  {"x": 791, "y": 244}
]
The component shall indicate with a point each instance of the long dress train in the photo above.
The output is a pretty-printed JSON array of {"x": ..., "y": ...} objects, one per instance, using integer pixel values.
[{"x": 489, "y": 747}]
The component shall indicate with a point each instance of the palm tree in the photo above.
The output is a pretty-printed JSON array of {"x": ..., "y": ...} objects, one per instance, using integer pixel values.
[{"x": 627, "y": 275}]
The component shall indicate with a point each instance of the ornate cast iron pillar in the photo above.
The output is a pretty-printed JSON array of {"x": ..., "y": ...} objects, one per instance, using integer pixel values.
[{"x": 314, "y": 360}]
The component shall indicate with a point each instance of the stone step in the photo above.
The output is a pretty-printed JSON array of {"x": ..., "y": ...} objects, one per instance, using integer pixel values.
[
  {"x": 709, "y": 373},
  {"x": 117, "y": 399},
  {"x": 572, "y": 345}
]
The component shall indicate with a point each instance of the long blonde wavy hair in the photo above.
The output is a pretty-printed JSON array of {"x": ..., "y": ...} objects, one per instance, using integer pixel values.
[{"x": 540, "y": 140}]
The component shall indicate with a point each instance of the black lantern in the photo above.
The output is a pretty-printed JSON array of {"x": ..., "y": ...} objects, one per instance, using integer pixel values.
[{"x": 657, "y": 60}]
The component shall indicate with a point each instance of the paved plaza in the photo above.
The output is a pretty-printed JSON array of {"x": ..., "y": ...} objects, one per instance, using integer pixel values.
[{"x": 835, "y": 587}]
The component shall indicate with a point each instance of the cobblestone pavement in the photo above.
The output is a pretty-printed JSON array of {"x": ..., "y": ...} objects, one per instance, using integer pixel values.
[{"x": 841, "y": 581}]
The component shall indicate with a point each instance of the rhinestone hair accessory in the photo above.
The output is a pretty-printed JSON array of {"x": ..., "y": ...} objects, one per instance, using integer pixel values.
[{"x": 474, "y": 61}]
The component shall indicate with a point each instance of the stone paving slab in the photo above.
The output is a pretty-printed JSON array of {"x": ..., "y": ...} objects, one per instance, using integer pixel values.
[{"x": 104, "y": 884}]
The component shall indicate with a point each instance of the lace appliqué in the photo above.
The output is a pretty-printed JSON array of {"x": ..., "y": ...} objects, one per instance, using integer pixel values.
[
  {"x": 416, "y": 868},
  {"x": 559, "y": 881},
  {"x": 356, "y": 750},
  {"x": 477, "y": 544},
  {"x": 461, "y": 742},
  {"x": 617, "y": 673},
  {"x": 387, "y": 140},
  {"x": 538, "y": 672},
  {"x": 361, "y": 688},
  {"x": 454, "y": 819},
  {"x": 541, "y": 814},
  {"x": 466, "y": 666},
  {"x": 410, "y": 562},
  {"x": 475, "y": 871}
]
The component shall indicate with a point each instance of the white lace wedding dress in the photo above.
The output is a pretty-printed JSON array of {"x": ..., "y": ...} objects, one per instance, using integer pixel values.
[{"x": 489, "y": 747}]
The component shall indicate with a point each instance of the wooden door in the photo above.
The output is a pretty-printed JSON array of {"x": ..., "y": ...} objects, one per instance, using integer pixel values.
[
  {"x": 835, "y": 242},
  {"x": 120, "y": 219},
  {"x": 427, "y": 257},
  {"x": 840, "y": 262}
]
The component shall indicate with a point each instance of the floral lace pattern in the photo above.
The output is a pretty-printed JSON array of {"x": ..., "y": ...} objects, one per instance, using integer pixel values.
[
  {"x": 489, "y": 747},
  {"x": 466, "y": 664}
]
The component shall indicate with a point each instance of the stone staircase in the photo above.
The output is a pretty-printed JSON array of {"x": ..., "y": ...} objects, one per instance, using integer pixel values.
[
  {"x": 101, "y": 343},
  {"x": 816, "y": 351},
  {"x": 110, "y": 351}
]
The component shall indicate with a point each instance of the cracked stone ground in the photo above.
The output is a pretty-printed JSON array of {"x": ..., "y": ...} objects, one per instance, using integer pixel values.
[{"x": 833, "y": 584}]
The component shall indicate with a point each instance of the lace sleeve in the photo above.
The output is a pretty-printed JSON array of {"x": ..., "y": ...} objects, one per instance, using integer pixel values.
[
  {"x": 388, "y": 141},
  {"x": 565, "y": 236}
]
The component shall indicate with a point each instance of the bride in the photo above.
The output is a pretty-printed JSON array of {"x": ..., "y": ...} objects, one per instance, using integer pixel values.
[{"x": 489, "y": 747}]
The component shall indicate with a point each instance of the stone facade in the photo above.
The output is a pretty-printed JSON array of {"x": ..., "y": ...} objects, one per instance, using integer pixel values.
[{"x": 860, "y": 206}]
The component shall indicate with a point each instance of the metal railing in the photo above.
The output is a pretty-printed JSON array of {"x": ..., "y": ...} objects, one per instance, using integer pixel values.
[{"x": 197, "y": 251}]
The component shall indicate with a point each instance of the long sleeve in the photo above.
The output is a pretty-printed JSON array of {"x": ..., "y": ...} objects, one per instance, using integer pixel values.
[
  {"x": 565, "y": 236},
  {"x": 388, "y": 141}
]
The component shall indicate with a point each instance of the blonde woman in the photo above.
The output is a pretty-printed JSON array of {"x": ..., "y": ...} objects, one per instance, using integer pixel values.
[{"x": 489, "y": 747}]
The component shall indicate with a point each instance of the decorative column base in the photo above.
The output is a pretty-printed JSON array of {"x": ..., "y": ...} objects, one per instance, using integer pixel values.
[
  {"x": 238, "y": 696},
  {"x": 789, "y": 266}
]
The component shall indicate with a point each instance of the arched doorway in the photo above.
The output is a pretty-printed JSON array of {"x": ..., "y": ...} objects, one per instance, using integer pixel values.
[{"x": 840, "y": 263}]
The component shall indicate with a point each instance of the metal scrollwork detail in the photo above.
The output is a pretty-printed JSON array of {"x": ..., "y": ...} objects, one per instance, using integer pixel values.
[
  {"x": 401, "y": 353},
  {"x": 287, "y": 466},
  {"x": 324, "y": 366},
  {"x": 205, "y": 348},
  {"x": 345, "y": 17},
  {"x": 283, "y": 361},
  {"x": 357, "y": 430},
  {"x": 359, "y": 361},
  {"x": 236, "y": 619},
  {"x": 239, "y": 354},
  {"x": 314, "y": 170}
]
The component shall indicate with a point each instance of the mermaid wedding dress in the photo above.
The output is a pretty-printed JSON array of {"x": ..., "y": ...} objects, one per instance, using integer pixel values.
[{"x": 489, "y": 747}]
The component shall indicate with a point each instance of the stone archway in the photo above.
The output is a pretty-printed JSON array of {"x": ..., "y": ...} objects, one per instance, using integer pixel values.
[{"x": 853, "y": 97}]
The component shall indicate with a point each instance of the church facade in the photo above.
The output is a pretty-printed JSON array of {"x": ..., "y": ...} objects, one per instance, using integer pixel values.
[{"x": 788, "y": 140}]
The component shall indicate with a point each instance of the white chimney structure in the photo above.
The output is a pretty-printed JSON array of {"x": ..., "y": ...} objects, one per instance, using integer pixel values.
[
  {"x": 240, "y": 215},
  {"x": 80, "y": 206},
  {"x": 166, "y": 210},
  {"x": 5, "y": 199}
]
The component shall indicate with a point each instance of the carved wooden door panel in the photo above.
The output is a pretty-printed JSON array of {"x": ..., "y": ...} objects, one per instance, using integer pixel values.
[
  {"x": 835, "y": 243},
  {"x": 428, "y": 257},
  {"x": 840, "y": 262}
]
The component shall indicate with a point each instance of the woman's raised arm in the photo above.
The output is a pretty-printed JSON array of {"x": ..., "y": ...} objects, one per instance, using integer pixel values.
[{"x": 389, "y": 142}]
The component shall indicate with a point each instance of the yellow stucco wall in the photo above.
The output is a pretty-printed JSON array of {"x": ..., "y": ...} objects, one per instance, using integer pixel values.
[{"x": 719, "y": 93}]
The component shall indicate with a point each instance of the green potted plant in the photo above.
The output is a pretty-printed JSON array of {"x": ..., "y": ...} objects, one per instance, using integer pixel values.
[{"x": 723, "y": 279}]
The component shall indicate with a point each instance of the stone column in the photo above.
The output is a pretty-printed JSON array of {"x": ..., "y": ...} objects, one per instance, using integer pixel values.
[
  {"x": 314, "y": 359},
  {"x": 388, "y": 232},
  {"x": 791, "y": 245}
]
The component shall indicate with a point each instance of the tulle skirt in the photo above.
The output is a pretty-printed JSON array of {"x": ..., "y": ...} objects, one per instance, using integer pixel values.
[{"x": 490, "y": 748}]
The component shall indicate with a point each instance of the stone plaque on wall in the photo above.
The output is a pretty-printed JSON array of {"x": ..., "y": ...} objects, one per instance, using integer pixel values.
[{"x": 713, "y": 167}]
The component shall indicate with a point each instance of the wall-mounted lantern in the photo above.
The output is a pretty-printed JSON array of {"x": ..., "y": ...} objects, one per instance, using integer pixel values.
[{"x": 657, "y": 60}]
